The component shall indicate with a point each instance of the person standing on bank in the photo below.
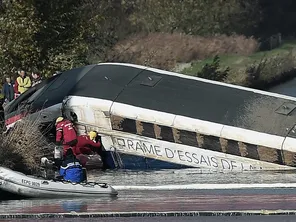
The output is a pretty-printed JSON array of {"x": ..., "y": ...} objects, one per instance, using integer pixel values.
[
  {"x": 36, "y": 78},
  {"x": 15, "y": 88},
  {"x": 8, "y": 90},
  {"x": 24, "y": 82}
]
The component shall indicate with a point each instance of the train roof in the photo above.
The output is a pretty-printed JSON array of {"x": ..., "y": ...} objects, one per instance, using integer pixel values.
[{"x": 177, "y": 94}]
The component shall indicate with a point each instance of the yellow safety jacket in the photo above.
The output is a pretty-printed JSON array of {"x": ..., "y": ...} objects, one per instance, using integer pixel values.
[{"x": 23, "y": 84}]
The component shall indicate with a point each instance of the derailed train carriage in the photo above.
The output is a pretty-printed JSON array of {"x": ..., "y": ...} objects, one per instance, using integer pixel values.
[
  {"x": 22, "y": 106},
  {"x": 150, "y": 118}
]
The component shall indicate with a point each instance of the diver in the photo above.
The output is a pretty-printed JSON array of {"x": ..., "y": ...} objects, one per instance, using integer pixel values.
[{"x": 71, "y": 169}]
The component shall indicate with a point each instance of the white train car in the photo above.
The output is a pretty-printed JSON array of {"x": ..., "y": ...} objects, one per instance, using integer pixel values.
[{"x": 152, "y": 118}]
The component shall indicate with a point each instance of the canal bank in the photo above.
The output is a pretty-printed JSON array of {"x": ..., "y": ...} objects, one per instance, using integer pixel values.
[
  {"x": 160, "y": 216},
  {"x": 260, "y": 70}
]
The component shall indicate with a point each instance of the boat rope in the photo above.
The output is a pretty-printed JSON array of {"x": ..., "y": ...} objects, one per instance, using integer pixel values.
[{"x": 89, "y": 183}]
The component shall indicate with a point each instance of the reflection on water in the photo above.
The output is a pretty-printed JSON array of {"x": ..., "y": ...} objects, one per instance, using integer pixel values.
[
  {"x": 78, "y": 206},
  {"x": 53, "y": 205}
]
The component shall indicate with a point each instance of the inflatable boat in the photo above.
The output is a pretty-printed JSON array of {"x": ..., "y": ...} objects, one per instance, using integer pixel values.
[{"x": 29, "y": 186}]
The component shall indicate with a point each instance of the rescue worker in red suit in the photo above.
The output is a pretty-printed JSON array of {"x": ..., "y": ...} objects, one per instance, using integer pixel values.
[
  {"x": 66, "y": 134},
  {"x": 87, "y": 145}
]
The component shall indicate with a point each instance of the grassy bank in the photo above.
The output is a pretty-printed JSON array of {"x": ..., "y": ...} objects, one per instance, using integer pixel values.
[
  {"x": 240, "y": 61},
  {"x": 260, "y": 68},
  {"x": 165, "y": 50}
]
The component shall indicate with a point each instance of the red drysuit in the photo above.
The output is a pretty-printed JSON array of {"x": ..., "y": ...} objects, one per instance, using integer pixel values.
[
  {"x": 85, "y": 145},
  {"x": 66, "y": 134}
]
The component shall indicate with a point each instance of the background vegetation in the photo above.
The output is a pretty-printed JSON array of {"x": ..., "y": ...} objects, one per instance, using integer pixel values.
[{"x": 50, "y": 35}]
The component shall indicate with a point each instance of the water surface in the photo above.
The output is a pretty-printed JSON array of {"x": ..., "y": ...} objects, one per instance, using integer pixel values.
[{"x": 146, "y": 200}]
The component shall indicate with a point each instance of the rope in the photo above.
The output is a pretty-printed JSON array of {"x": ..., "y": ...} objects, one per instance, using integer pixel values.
[{"x": 103, "y": 185}]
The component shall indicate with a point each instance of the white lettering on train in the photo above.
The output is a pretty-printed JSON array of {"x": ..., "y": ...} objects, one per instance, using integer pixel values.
[{"x": 180, "y": 155}]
